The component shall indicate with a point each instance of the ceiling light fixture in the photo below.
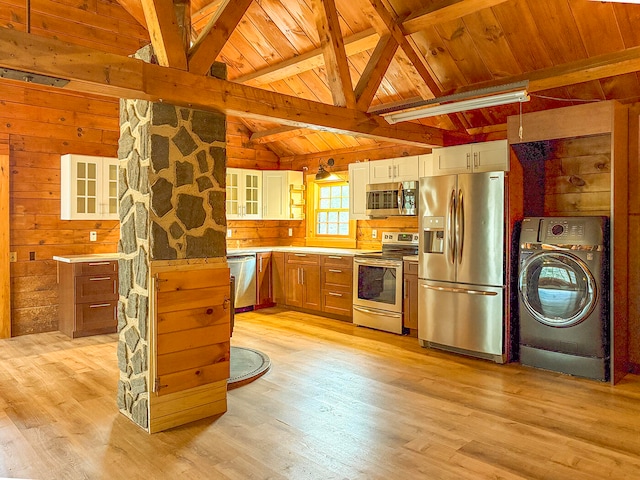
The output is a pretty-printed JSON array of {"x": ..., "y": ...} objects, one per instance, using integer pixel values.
[{"x": 459, "y": 102}]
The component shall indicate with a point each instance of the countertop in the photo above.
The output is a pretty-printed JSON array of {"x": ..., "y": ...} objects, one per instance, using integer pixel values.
[
  {"x": 410, "y": 258},
  {"x": 295, "y": 249},
  {"x": 89, "y": 257}
]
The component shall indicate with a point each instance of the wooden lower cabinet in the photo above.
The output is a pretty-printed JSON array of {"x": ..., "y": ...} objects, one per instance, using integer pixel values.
[
  {"x": 88, "y": 293},
  {"x": 264, "y": 293},
  {"x": 302, "y": 281},
  {"x": 410, "y": 300}
]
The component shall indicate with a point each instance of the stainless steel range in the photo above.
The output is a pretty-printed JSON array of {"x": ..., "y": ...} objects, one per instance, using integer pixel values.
[{"x": 377, "y": 283}]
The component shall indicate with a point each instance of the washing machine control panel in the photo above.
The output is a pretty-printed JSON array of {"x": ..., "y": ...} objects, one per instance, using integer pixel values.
[{"x": 565, "y": 229}]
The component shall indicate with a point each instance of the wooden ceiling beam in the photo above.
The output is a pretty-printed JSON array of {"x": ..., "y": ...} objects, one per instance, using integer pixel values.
[
  {"x": 335, "y": 57},
  {"x": 279, "y": 134},
  {"x": 166, "y": 37},
  {"x": 354, "y": 44},
  {"x": 215, "y": 35},
  {"x": 90, "y": 70},
  {"x": 375, "y": 70},
  {"x": 444, "y": 11}
]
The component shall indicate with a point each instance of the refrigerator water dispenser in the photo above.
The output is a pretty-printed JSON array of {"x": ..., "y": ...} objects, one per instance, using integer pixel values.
[{"x": 433, "y": 234}]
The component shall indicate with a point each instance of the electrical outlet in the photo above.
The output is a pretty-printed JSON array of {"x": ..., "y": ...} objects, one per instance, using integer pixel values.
[
  {"x": 290, "y": 232},
  {"x": 228, "y": 233},
  {"x": 13, "y": 256},
  {"x": 93, "y": 236},
  {"x": 374, "y": 233}
]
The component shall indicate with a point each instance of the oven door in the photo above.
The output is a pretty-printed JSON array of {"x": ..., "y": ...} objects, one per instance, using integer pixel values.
[{"x": 377, "y": 284}]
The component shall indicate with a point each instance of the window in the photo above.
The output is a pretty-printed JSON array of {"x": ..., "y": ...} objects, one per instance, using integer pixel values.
[
  {"x": 332, "y": 210},
  {"x": 328, "y": 212}
]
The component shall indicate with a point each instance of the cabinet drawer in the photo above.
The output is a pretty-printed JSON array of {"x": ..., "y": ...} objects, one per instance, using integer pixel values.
[
  {"x": 96, "y": 288},
  {"x": 336, "y": 276},
  {"x": 336, "y": 302},
  {"x": 99, "y": 267},
  {"x": 341, "y": 261},
  {"x": 303, "y": 258},
  {"x": 95, "y": 318},
  {"x": 410, "y": 268}
]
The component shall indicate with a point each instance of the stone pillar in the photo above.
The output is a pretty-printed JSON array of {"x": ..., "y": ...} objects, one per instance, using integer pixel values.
[{"x": 172, "y": 207}]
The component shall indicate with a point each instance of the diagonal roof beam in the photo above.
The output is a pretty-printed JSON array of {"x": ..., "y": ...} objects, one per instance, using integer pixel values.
[
  {"x": 375, "y": 70},
  {"x": 168, "y": 42},
  {"x": 418, "y": 61},
  {"x": 214, "y": 36},
  {"x": 335, "y": 58},
  {"x": 92, "y": 71}
]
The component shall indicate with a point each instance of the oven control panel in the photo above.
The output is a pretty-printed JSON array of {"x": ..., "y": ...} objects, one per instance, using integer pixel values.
[{"x": 400, "y": 237}]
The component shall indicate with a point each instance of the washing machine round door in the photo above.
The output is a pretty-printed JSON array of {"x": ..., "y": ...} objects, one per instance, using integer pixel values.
[{"x": 557, "y": 288}]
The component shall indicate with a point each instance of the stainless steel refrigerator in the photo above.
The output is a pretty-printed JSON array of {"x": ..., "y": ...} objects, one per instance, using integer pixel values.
[{"x": 461, "y": 264}]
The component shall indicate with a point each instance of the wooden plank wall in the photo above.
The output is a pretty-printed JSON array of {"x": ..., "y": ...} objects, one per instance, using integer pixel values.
[
  {"x": 567, "y": 177},
  {"x": 43, "y": 123}
]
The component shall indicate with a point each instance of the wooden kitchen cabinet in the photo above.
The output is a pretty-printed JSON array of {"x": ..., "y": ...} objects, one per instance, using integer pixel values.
[
  {"x": 336, "y": 278},
  {"x": 264, "y": 293},
  {"x": 302, "y": 281},
  {"x": 410, "y": 298},
  {"x": 88, "y": 293},
  {"x": 278, "y": 277}
]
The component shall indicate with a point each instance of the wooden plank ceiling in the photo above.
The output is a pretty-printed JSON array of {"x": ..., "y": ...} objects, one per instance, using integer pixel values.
[{"x": 360, "y": 54}]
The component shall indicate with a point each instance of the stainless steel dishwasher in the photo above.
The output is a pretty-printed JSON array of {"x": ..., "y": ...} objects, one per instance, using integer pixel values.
[{"x": 243, "y": 269}]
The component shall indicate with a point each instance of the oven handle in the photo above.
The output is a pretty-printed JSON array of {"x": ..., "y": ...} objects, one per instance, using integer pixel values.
[
  {"x": 377, "y": 263},
  {"x": 377, "y": 312},
  {"x": 460, "y": 290}
]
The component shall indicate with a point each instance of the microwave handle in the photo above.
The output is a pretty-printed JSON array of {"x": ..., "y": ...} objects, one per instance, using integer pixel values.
[{"x": 400, "y": 198}]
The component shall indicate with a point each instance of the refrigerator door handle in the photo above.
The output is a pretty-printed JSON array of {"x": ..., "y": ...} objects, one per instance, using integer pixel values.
[
  {"x": 460, "y": 290},
  {"x": 460, "y": 225},
  {"x": 451, "y": 227}
]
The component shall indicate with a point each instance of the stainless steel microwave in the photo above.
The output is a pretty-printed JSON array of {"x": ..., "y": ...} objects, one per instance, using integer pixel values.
[{"x": 391, "y": 199}]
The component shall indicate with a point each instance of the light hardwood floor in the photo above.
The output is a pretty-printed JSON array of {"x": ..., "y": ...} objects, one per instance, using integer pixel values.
[{"x": 339, "y": 402}]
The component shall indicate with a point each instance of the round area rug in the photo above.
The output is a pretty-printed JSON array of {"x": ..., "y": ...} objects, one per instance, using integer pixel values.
[{"x": 246, "y": 364}]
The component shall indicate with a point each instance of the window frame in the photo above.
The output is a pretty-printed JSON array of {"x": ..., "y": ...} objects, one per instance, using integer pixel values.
[{"x": 313, "y": 203}]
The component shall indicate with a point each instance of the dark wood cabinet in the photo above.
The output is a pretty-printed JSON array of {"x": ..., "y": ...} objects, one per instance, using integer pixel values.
[
  {"x": 410, "y": 298},
  {"x": 264, "y": 293},
  {"x": 88, "y": 294},
  {"x": 302, "y": 281},
  {"x": 337, "y": 284}
]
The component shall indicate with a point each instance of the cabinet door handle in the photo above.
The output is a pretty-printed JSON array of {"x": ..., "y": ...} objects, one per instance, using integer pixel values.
[
  {"x": 335, "y": 271},
  {"x": 99, "y": 279},
  {"x": 390, "y": 173},
  {"x": 334, "y": 257},
  {"x": 476, "y": 159},
  {"x": 260, "y": 264},
  {"x": 333, "y": 294},
  {"x": 300, "y": 254},
  {"x": 406, "y": 289},
  {"x": 468, "y": 161},
  {"x": 95, "y": 264},
  {"x": 302, "y": 274},
  {"x": 100, "y": 305}
]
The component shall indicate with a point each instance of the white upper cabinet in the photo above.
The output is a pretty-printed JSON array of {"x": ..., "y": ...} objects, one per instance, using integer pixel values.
[
  {"x": 425, "y": 165},
  {"x": 358, "y": 180},
  {"x": 244, "y": 194},
  {"x": 89, "y": 188},
  {"x": 471, "y": 158},
  {"x": 282, "y": 195},
  {"x": 401, "y": 169}
]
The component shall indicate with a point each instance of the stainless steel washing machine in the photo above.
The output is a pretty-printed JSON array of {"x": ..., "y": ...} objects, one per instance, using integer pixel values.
[{"x": 563, "y": 286}]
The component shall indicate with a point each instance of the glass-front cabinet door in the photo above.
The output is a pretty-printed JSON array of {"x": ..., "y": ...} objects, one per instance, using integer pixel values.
[
  {"x": 89, "y": 188},
  {"x": 244, "y": 194}
]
